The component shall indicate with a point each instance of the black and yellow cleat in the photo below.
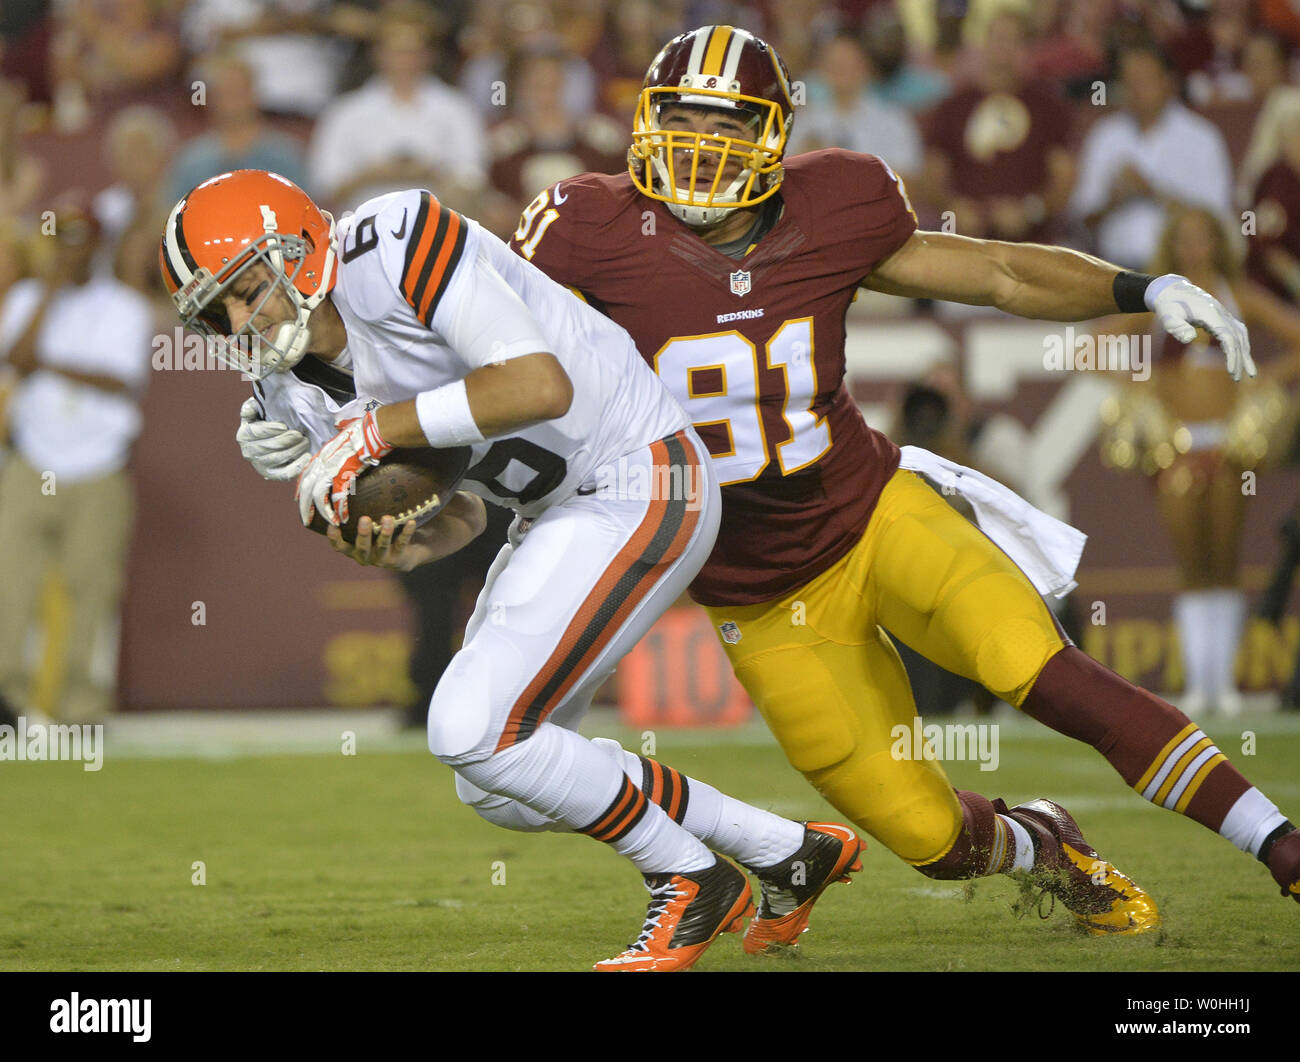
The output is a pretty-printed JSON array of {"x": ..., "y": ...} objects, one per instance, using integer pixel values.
[
  {"x": 830, "y": 853},
  {"x": 1102, "y": 899}
]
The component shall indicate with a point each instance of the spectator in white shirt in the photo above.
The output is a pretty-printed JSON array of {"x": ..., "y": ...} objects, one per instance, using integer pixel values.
[
  {"x": 293, "y": 46},
  {"x": 138, "y": 145},
  {"x": 79, "y": 345},
  {"x": 851, "y": 117},
  {"x": 403, "y": 128},
  {"x": 1134, "y": 164}
]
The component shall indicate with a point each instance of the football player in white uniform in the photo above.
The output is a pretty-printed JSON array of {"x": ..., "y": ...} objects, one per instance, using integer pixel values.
[{"x": 409, "y": 326}]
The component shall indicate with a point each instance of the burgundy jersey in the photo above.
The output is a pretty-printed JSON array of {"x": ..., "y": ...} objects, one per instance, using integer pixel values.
[
  {"x": 998, "y": 145},
  {"x": 753, "y": 349},
  {"x": 1277, "y": 221},
  {"x": 998, "y": 142}
]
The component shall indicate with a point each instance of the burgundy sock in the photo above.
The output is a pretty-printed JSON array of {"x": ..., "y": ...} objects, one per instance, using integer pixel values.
[
  {"x": 1155, "y": 748},
  {"x": 983, "y": 841}
]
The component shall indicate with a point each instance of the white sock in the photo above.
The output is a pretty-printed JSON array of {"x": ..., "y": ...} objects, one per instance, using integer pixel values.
[
  {"x": 1229, "y": 618},
  {"x": 1250, "y": 820},
  {"x": 1194, "y": 615},
  {"x": 1024, "y": 857},
  {"x": 564, "y": 777},
  {"x": 738, "y": 830}
]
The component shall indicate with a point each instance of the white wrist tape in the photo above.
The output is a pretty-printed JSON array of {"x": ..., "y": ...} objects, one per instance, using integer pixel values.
[{"x": 445, "y": 417}]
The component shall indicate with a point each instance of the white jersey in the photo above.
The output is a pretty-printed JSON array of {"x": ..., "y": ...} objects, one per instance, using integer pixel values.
[{"x": 428, "y": 296}]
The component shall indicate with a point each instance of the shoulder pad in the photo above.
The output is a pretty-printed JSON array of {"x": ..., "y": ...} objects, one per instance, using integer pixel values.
[{"x": 419, "y": 243}]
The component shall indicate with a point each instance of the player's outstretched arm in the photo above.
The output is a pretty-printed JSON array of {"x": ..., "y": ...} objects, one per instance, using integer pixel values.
[
  {"x": 462, "y": 520},
  {"x": 1054, "y": 284}
]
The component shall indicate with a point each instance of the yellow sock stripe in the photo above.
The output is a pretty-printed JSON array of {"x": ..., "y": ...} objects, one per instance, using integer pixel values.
[
  {"x": 716, "y": 51},
  {"x": 1201, "y": 775},
  {"x": 1184, "y": 761},
  {"x": 1174, "y": 742},
  {"x": 999, "y": 854},
  {"x": 56, "y": 620}
]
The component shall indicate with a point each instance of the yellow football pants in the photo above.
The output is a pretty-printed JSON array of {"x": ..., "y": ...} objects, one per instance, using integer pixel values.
[{"x": 831, "y": 686}]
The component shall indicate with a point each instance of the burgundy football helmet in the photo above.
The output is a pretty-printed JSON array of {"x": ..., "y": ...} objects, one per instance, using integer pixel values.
[{"x": 719, "y": 68}]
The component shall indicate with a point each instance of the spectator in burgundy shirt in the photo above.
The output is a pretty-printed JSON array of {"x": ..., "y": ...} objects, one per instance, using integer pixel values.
[
  {"x": 1267, "y": 60},
  {"x": 1273, "y": 255},
  {"x": 1075, "y": 56},
  {"x": 541, "y": 142},
  {"x": 1209, "y": 53},
  {"x": 996, "y": 150}
]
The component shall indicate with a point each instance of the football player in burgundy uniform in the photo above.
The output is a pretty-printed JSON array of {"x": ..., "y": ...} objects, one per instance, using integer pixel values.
[
  {"x": 412, "y": 326},
  {"x": 732, "y": 268}
]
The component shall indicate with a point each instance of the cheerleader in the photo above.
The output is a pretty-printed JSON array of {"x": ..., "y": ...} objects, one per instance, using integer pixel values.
[{"x": 1195, "y": 432}]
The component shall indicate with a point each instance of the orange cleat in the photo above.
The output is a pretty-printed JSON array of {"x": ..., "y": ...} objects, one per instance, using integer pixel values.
[
  {"x": 687, "y": 913},
  {"x": 830, "y": 853}
]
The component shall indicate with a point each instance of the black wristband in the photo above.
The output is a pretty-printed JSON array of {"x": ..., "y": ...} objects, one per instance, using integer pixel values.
[
  {"x": 1266, "y": 848},
  {"x": 1130, "y": 291}
]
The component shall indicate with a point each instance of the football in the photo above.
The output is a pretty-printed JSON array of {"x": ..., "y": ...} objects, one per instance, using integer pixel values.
[{"x": 409, "y": 485}]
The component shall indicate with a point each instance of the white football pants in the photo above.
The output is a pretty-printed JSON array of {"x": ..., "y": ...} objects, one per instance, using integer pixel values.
[{"x": 567, "y": 597}]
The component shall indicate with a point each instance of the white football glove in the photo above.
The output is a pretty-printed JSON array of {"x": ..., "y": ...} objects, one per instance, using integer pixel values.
[
  {"x": 327, "y": 481},
  {"x": 275, "y": 450},
  {"x": 1181, "y": 306}
]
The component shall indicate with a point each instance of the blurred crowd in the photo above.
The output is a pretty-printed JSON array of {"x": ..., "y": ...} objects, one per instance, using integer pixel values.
[
  {"x": 1077, "y": 121},
  {"x": 1101, "y": 124}
]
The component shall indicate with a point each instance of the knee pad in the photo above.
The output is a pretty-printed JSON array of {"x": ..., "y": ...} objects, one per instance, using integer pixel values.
[
  {"x": 1013, "y": 653},
  {"x": 907, "y": 807}
]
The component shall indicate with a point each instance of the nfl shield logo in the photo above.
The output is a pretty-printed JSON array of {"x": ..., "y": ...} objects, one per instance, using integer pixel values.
[
  {"x": 740, "y": 282},
  {"x": 730, "y": 632}
]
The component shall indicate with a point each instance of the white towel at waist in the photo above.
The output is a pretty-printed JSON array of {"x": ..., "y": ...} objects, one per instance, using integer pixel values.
[{"x": 1043, "y": 547}]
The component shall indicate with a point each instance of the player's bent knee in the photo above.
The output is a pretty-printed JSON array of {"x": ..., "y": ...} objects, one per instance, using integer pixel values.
[
  {"x": 909, "y": 807},
  {"x": 628, "y": 762},
  {"x": 924, "y": 835}
]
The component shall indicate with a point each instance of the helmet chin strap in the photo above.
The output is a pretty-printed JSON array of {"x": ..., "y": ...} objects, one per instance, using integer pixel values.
[
  {"x": 289, "y": 343},
  {"x": 700, "y": 217}
]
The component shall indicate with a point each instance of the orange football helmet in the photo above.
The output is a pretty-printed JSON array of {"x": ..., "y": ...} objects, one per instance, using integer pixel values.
[
  {"x": 228, "y": 223},
  {"x": 712, "y": 67}
]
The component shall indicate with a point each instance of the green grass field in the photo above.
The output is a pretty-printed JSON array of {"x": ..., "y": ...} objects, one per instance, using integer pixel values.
[{"x": 367, "y": 862}]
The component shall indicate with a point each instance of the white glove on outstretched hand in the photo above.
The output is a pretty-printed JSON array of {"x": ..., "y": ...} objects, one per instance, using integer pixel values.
[
  {"x": 1181, "y": 306},
  {"x": 275, "y": 450}
]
